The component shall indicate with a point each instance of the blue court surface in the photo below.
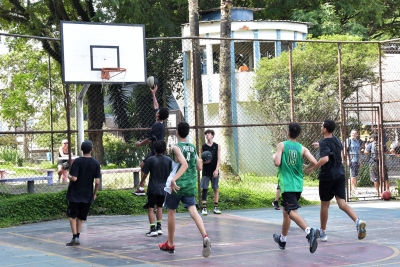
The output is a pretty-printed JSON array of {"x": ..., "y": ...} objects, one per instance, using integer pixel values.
[{"x": 238, "y": 238}]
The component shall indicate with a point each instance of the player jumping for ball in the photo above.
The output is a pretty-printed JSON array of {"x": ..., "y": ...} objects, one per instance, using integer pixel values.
[
  {"x": 157, "y": 133},
  {"x": 289, "y": 160}
]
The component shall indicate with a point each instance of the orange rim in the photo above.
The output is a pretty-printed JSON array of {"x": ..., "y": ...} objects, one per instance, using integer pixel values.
[{"x": 105, "y": 72}]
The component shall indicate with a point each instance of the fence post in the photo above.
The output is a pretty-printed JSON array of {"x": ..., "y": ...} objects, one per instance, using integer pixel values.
[
  {"x": 135, "y": 179},
  {"x": 31, "y": 185}
]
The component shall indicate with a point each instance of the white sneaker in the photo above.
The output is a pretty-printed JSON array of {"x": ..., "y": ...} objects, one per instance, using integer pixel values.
[
  {"x": 217, "y": 211},
  {"x": 206, "y": 247},
  {"x": 204, "y": 212},
  {"x": 322, "y": 236},
  {"x": 361, "y": 225}
]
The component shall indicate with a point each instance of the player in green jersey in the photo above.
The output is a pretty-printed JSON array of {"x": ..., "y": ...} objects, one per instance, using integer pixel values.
[
  {"x": 289, "y": 160},
  {"x": 181, "y": 187}
]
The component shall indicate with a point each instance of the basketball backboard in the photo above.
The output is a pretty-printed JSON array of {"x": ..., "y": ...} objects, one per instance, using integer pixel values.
[{"x": 88, "y": 47}]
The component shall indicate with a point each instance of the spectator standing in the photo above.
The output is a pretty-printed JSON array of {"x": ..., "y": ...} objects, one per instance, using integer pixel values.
[
  {"x": 63, "y": 152},
  {"x": 354, "y": 159},
  {"x": 372, "y": 151}
]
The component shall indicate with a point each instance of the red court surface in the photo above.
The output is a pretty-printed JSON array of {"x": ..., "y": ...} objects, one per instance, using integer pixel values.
[{"x": 238, "y": 238}]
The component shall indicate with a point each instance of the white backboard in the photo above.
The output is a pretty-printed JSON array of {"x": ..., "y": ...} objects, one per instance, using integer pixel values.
[{"x": 88, "y": 47}]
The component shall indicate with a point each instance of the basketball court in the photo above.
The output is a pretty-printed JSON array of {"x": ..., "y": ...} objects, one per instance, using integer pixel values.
[{"x": 238, "y": 238}]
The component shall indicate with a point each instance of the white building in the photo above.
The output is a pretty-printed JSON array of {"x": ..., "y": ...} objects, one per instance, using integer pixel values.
[{"x": 275, "y": 35}]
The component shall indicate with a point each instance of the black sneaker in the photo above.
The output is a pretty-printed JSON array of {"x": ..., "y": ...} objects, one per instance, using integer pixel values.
[
  {"x": 312, "y": 239},
  {"x": 159, "y": 230},
  {"x": 73, "y": 242},
  {"x": 275, "y": 204},
  {"x": 277, "y": 239},
  {"x": 153, "y": 232}
]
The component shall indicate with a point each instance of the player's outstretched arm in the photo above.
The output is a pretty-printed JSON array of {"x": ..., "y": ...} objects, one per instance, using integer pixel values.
[{"x": 153, "y": 92}]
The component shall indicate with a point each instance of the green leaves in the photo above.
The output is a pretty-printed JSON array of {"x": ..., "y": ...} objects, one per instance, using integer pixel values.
[{"x": 315, "y": 79}]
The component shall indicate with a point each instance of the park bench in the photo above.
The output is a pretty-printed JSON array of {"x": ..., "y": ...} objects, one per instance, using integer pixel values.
[
  {"x": 135, "y": 172},
  {"x": 30, "y": 180}
]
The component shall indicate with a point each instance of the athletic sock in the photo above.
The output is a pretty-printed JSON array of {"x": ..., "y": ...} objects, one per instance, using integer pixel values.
[
  {"x": 204, "y": 205},
  {"x": 152, "y": 225},
  {"x": 307, "y": 230},
  {"x": 283, "y": 238},
  {"x": 215, "y": 205},
  {"x": 159, "y": 222}
]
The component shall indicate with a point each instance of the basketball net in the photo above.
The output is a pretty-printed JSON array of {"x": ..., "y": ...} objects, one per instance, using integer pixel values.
[{"x": 107, "y": 75}]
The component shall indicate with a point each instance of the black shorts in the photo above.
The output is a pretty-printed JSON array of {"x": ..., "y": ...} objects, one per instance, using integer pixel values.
[
  {"x": 154, "y": 200},
  {"x": 331, "y": 188},
  {"x": 78, "y": 210},
  {"x": 290, "y": 201}
]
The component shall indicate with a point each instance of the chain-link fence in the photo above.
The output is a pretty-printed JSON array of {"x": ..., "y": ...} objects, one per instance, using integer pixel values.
[{"x": 248, "y": 98}]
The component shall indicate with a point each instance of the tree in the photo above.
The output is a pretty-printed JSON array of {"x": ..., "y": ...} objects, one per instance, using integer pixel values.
[
  {"x": 225, "y": 95},
  {"x": 196, "y": 59},
  {"x": 315, "y": 81},
  {"x": 371, "y": 19},
  {"x": 23, "y": 75},
  {"x": 42, "y": 18}
]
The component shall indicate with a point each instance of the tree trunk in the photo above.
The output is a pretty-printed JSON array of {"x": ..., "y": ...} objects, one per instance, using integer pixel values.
[
  {"x": 228, "y": 159},
  {"x": 196, "y": 59},
  {"x": 96, "y": 119}
]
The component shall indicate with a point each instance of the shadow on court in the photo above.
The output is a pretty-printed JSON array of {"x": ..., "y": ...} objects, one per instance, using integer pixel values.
[{"x": 238, "y": 238}]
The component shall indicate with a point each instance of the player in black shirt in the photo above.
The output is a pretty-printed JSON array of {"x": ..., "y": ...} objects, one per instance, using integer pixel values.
[
  {"x": 157, "y": 133},
  {"x": 332, "y": 180},
  {"x": 80, "y": 194},
  {"x": 210, "y": 172},
  {"x": 159, "y": 167}
]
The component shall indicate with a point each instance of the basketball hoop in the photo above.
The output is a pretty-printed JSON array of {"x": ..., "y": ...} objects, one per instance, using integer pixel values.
[
  {"x": 107, "y": 75},
  {"x": 105, "y": 72}
]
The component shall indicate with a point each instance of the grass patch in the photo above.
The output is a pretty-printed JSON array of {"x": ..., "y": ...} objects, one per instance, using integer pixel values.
[{"x": 247, "y": 192}]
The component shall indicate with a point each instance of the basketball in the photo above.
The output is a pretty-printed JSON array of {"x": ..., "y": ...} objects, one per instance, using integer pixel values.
[
  {"x": 386, "y": 195},
  {"x": 151, "y": 81},
  {"x": 206, "y": 156}
]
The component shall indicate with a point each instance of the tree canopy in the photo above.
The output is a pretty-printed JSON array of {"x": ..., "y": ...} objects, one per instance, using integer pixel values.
[{"x": 315, "y": 79}]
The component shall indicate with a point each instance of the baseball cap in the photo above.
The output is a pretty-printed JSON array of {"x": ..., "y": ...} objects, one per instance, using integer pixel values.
[
  {"x": 64, "y": 141},
  {"x": 86, "y": 146}
]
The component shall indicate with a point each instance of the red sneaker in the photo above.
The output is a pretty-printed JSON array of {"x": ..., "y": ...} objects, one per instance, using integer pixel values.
[{"x": 164, "y": 246}]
